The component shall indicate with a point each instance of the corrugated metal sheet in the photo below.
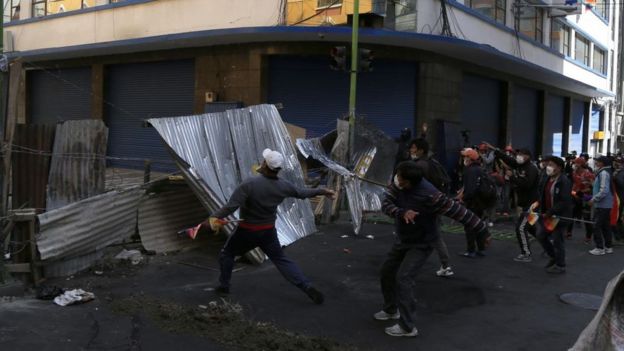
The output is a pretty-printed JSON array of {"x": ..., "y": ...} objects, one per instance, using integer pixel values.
[
  {"x": 30, "y": 168},
  {"x": 70, "y": 266},
  {"x": 122, "y": 178},
  {"x": 215, "y": 151},
  {"x": 89, "y": 225},
  {"x": 162, "y": 215},
  {"x": 78, "y": 165}
]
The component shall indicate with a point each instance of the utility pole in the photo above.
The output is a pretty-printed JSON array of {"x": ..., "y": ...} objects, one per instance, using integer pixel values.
[{"x": 354, "y": 69}]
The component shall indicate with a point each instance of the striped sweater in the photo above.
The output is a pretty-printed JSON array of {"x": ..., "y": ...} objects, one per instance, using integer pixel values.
[{"x": 430, "y": 203}]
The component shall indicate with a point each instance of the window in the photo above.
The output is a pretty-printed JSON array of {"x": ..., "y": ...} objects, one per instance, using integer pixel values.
[
  {"x": 602, "y": 8},
  {"x": 11, "y": 10},
  {"x": 532, "y": 22},
  {"x": 39, "y": 8},
  {"x": 560, "y": 37},
  {"x": 326, "y": 3},
  {"x": 600, "y": 60},
  {"x": 581, "y": 50},
  {"x": 494, "y": 9}
]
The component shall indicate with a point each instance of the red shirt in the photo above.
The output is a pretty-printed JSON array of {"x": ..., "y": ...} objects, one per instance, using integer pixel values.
[{"x": 548, "y": 200}]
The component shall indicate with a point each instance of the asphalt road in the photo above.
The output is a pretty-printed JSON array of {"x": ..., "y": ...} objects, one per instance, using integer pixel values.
[{"x": 492, "y": 303}]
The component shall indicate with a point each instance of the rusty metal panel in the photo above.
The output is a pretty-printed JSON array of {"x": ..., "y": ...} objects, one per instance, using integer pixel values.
[
  {"x": 31, "y": 164},
  {"x": 78, "y": 165},
  {"x": 88, "y": 225},
  {"x": 162, "y": 215}
]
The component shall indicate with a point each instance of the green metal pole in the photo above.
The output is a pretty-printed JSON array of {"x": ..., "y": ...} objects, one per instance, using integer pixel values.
[{"x": 354, "y": 69}]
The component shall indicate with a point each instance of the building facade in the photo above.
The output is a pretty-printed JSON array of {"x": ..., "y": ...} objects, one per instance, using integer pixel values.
[{"x": 483, "y": 70}]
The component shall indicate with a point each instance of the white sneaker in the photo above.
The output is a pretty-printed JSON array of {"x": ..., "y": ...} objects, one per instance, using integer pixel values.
[
  {"x": 523, "y": 258},
  {"x": 597, "y": 252},
  {"x": 609, "y": 250},
  {"x": 396, "y": 330},
  {"x": 445, "y": 272},
  {"x": 383, "y": 316}
]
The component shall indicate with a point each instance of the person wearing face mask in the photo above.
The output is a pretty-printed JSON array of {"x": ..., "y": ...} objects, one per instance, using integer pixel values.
[
  {"x": 470, "y": 195},
  {"x": 415, "y": 205},
  {"x": 524, "y": 180},
  {"x": 582, "y": 180},
  {"x": 602, "y": 202},
  {"x": 555, "y": 199}
]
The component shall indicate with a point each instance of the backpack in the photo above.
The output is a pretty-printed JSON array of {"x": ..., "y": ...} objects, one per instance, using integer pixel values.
[
  {"x": 486, "y": 190},
  {"x": 438, "y": 177}
]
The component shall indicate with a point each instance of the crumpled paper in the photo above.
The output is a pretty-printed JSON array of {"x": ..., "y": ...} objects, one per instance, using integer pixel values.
[
  {"x": 72, "y": 297},
  {"x": 133, "y": 255}
]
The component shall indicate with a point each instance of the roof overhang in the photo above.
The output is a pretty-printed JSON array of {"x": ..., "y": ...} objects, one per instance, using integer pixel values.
[{"x": 468, "y": 51}]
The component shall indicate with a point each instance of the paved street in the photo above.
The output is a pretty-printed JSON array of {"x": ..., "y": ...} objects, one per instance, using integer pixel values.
[{"x": 491, "y": 304}]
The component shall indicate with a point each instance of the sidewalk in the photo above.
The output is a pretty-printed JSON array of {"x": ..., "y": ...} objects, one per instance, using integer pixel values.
[{"x": 490, "y": 304}]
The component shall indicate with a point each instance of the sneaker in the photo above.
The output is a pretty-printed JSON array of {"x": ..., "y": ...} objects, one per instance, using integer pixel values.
[
  {"x": 597, "y": 252},
  {"x": 550, "y": 263},
  {"x": 523, "y": 258},
  {"x": 384, "y": 316},
  {"x": 222, "y": 291},
  {"x": 315, "y": 295},
  {"x": 490, "y": 224},
  {"x": 468, "y": 254},
  {"x": 444, "y": 272},
  {"x": 609, "y": 250},
  {"x": 397, "y": 330},
  {"x": 587, "y": 241},
  {"x": 555, "y": 269}
]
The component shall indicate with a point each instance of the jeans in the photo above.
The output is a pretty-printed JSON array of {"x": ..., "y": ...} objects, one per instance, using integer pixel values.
[
  {"x": 475, "y": 240},
  {"x": 556, "y": 248},
  {"x": 244, "y": 240},
  {"x": 442, "y": 250},
  {"x": 398, "y": 277},
  {"x": 602, "y": 229}
]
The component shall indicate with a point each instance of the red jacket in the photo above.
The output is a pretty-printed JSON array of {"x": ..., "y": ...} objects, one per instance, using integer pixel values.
[{"x": 582, "y": 181}]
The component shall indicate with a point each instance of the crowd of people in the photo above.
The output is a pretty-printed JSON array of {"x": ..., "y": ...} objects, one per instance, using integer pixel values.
[{"x": 546, "y": 195}]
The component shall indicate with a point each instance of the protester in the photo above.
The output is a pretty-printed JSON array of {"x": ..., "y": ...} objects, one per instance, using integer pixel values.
[
  {"x": 555, "y": 201},
  {"x": 258, "y": 198},
  {"x": 582, "y": 180},
  {"x": 525, "y": 181},
  {"x": 435, "y": 174},
  {"x": 474, "y": 200},
  {"x": 487, "y": 158},
  {"x": 602, "y": 203},
  {"x": 415, "y": 204}
]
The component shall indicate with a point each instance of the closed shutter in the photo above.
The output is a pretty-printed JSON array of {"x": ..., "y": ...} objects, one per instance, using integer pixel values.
[
  {"x": 481, "y": 109},
  {"x": 524, "y": 118},
  {"x": 553, "y": 126},
  {"x": 137, "y": 92},
  {"x": 576, "y": 127},
  {"x": 57, "y": 95},
  {"x": 313, "y": 96}
]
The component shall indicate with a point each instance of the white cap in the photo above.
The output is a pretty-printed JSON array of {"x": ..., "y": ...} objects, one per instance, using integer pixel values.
[{"x": 274, "y": 159}]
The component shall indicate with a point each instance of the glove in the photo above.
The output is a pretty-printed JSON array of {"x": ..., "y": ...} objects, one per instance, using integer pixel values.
[{"x": 216, "y": 224}]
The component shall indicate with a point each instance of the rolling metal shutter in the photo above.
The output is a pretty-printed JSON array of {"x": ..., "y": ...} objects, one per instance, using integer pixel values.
[
  {"x": 314, "y": 96},
  {"x": 57, "y": 95},
  {"x": 576, "y": 127},
  {"x": 553, "y": 125},
  {"x": 481, "y": 109},
  {"x": 137, "y": 92},
  {"x": 524, "y": 118}
]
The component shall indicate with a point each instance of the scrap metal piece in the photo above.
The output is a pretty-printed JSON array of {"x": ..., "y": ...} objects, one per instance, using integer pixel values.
[{"x": 216, "y": 151}]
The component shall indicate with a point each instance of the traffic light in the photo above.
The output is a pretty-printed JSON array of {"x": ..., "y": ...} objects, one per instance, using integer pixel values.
[
  {"x": 338, "y": 58},
  {"x": 365, "y": 60}
]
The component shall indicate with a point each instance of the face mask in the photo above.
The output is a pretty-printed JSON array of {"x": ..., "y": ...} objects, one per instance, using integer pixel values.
[
  {"x": 396, "y": 182},
  {"x": 466, "y": 162},
  {"x": 550, "y": 170},
  {"x": 574, "y": 167},
  {"x": 414, "y": 157},
  {"x": 520, "y": 159}
]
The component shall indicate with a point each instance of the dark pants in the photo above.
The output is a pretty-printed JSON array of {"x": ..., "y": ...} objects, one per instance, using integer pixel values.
[
  {"x": 581, "y": 211},
  {"x": 398, "y": 276},
  {"x": 523, "y": 228},
  {"x": 555, "y": 248},
  {"x": 602, "y": 228},
  {"x": 244, "y": 240},
  {"x": 475, "y": 240}
]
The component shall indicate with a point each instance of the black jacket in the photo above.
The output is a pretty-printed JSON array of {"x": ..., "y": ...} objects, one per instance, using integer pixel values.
[
  {"x": 525, "y": 180},
  {"x": 618, "y": 179},
  {"x": 470, "y": 178},
  {"x": 561, "y": 197}
]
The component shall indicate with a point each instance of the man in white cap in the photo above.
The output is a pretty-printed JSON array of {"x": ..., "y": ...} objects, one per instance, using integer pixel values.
[{"x": 258, "y": 198}]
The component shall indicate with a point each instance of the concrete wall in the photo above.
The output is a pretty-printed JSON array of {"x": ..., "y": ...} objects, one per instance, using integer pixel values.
[{"x": 141, "y": 20}]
